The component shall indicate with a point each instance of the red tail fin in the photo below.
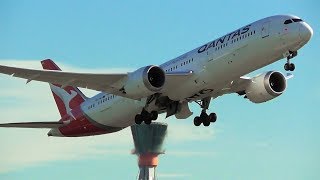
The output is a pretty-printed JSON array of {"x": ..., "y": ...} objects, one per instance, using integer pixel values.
[{"x": 67, "y": 97}]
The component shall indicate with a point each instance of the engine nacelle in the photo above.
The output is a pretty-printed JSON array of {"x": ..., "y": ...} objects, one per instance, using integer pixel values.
[
  {"x": 144, "y": 82},
  {"x": 266, "y": 86}
]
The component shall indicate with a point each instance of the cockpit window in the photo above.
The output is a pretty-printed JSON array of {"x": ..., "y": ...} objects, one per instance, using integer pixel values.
[
  {"x": 288, "y": 21},
  {"x": 297, "y": 20}
]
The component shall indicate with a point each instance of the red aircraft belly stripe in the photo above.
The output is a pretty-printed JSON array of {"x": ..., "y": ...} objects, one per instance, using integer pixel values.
[{"x": 82, "y": 125}]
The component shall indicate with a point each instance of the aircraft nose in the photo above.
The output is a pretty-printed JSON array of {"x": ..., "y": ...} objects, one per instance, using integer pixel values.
[{"x": 306, "y": 32}]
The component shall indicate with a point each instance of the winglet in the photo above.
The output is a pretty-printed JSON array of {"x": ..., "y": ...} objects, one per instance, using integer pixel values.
[{"x": 49, "y": 64}]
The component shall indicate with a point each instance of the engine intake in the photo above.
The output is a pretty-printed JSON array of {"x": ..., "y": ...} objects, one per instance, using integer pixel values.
[
  {"x": 266, "y": 86},
  {"x": 276, "y": 82},
  {"x": 156, "y": 77},
  {"x": 145, "y": 81}
]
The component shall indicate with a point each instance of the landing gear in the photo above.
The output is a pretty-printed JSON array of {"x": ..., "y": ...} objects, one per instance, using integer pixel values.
[
  {"x": 146, "y": 117},
  {"x": 197, "y": 121},
  {"x": 290, "y": 66},
  {"x": 204, "y": 117},
  {"x": 138, "y": 119}
]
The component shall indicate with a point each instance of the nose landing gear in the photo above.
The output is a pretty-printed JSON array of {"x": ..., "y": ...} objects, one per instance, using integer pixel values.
[
  {"x": 204, "y": 117},
  {"x": 290, "y": 66}
]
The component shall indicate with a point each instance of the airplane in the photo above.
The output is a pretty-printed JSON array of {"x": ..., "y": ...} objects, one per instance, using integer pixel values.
[{"x": 204, "y": 73}]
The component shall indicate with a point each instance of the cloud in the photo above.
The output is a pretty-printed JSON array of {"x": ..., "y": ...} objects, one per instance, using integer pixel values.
[
  {"x": 191, "y": 153},
  {"x": 263, "y": 144},
  {"x": 187, "y": 132},
  {"x": 173, "y": 175},
  {"x": 31, "y": 147}
]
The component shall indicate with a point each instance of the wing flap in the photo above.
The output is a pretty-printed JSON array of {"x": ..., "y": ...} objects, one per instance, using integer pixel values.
[{"x": 34, "y": 125}]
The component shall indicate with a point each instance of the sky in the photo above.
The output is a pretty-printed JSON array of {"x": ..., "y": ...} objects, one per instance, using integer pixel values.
[{"x": 274, "y": 140}]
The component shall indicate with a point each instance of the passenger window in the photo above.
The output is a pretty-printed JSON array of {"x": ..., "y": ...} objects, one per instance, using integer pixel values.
[
  {"x": 287, "y": 21},
  {"x": 297, "y": 20}
]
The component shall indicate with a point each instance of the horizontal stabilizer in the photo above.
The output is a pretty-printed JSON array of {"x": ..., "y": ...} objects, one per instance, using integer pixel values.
[{"x": 34, "y": 125}]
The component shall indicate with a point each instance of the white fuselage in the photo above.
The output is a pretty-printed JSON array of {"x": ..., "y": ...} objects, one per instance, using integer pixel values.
[{"x": 215, "y": 65}]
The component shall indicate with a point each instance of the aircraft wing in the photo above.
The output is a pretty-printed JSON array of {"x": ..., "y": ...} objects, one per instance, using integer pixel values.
[
  {"x": 110, "y": 83},
  {"x": 34, "y": 125},
  {"x": 99, "y": 82}
]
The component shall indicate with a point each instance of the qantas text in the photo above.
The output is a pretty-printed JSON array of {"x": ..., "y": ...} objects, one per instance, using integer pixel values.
[{"x": 226, "y": 38}]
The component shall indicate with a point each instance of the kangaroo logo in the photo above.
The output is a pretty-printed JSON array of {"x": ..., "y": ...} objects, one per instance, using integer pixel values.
[{"x": 65, "y": 97}]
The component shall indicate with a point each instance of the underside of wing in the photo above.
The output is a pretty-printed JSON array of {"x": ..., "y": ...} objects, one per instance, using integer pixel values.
[
  {"x": 240, "y": 84},
  {"x": 33, "y": 125}
]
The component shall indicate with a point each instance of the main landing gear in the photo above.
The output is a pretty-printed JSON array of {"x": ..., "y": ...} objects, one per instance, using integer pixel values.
[
  {"x": 146, "y": 117},
  {"x": 290, "y": 66},
  {"x": 204, "y": 117}
]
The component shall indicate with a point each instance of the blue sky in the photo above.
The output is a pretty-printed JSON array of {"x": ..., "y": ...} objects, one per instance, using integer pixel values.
[{"x": 275, "y": 140}]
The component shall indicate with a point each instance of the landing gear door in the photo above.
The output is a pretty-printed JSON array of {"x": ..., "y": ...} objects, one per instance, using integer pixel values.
[
  {"x": 265, "y": 29},
  {"x": 183, "y": 111}
]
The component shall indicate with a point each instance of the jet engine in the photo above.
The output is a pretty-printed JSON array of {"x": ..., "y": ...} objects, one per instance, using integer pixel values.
[
  {"x": 266, "y": 86},
  {"x": 144, "y": 82}
]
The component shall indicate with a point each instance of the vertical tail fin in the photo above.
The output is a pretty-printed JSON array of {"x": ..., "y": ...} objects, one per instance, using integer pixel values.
[{"x": 67, "y": 97}]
